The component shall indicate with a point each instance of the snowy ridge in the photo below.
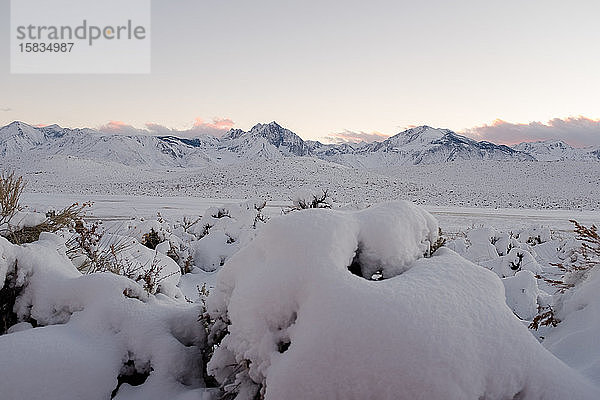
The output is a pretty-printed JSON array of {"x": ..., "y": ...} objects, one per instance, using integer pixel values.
[
  {"x": 420, "y": 145},
  {"x": 557, "y": 150},
  {"x": 272, "y": 138}
]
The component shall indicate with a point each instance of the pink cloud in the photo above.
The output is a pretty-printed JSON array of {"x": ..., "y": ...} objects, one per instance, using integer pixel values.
[
  {"x": 217, "y": 123},
  {"x": 115, "y": 125},
  {"x": 577, "y": 131},
  {"x": 218, "y": 127},
  {"x": 356, "y": 137}
]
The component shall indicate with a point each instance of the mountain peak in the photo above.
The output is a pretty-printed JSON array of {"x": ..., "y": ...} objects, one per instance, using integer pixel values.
[
  {"x": 16, "y": 124},
  {"x": 420, "y": 135},
  {"x": 272, "y": 134},
  {"x": 271, "y": 125},
  {"x": 554, "y": 150},
  {"x": 274, "y": 124}
]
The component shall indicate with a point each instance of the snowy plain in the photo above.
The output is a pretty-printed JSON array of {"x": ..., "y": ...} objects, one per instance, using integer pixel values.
[{"x": 452, "y": 219}]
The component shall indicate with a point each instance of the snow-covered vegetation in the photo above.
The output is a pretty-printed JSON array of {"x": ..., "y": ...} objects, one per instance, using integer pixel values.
[{"x": 318, "y": 302}]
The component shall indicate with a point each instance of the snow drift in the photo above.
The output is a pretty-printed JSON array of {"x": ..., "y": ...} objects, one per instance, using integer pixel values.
[
  {"x": 94, "y": 334},
  {"x": 298, "y": 315}
]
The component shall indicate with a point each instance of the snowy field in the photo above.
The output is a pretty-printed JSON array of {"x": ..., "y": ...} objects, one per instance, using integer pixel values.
[
  {"x": 531, "y": 185},
  {"x": 452, "y": 220}
]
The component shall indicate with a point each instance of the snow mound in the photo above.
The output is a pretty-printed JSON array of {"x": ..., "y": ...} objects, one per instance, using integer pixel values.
[
  {"x": 516, "y": 260},
  {"x": 223, "y": 231},
  {"x": 513, "y": 257},
  {"x": 294, "y": 321},
  {"x": 23, "y": 219},
  {"x": 523, "y": 294},
  {"x": 89, "y": 336},
  {"x": 575, "y": 339}
]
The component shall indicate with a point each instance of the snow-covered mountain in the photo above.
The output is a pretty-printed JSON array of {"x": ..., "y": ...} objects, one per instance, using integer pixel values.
[
  {"x": 263, "y": 139},
  {"x": 20, "y": 140},
  {"x": 18, "y": 137},
  {"x": 557, "y": 150},
  {"x": 420, "y": 145}
]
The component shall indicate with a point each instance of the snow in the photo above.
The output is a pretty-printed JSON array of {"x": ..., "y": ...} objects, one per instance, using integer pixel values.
[
  {"x": 59, "y": 363},
  {"x": 512, "y": 257},
  {"x": 575, "y": 339},
  {"x": 222, "y": 231},
  {"x": 555, "y": 150},
  {"x": 317, "y": 303},
  {"x": 428, "y": 331},
  {"x": 23, "y": 219},
  {"x": 88, "y": 327},
  {"x": 510, "y": 185},
  {"x": 272, "y": 162},
  {"x": 346, "y": 302},
  {"x": 522, "y": 294},
  {"x": 264, "y": 141},
  {"x": 515, "y": 260}
]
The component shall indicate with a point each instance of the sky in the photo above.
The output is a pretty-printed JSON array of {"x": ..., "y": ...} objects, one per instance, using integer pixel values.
[{"x": 504, "y": 71}]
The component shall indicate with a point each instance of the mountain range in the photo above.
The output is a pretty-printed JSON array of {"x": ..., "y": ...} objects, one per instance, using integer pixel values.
[{"x": 419, "y": 145}]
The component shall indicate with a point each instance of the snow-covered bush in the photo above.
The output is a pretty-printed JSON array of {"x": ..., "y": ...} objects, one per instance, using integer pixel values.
[
  {"x": 142, "y": 228},
  {"x": 93, "y": 249},
  {"x": 223, "y": 231},
  {"x": 513, "y": 260},
  {"x": 26, "y": 227},
  {"x": 292, "y": 321},
  {"x": 575, "y": 339},
  {"x": 20, "y": 226},
  {"x": 96, "y": 335},
  {"x": 585, "y": 258},
  {"x": 523, "y": 295},
  {"x": 579, "y": 258},
  {"x": 510, "y": 264},
  {"x": 306, "y": 199},
  {"x": 11, "y": 187},
  {"x": 534, "y": 235}
]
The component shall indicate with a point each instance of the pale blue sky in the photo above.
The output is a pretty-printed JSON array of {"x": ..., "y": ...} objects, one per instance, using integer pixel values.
[{"x": 321, "y": 67}]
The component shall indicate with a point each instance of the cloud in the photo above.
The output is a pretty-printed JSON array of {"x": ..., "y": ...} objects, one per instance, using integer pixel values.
[
  {"x": 577, "y": 131},
  {"x": 6, "y": 109},
  {"x": 218, "y": 123},
  {"x": 121, "y": 128},
  {"x": 218, "y": 127},
  {"x": 355, "y": 137}
]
